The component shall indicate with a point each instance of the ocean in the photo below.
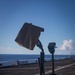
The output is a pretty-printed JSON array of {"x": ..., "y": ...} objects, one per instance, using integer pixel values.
[{"x": 16, "y": 57}]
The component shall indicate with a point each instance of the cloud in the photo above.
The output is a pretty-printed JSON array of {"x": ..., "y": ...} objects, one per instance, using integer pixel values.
[
  {"x": 7, "y": 50},
  {"x": 18, "y": 50},
  {"x": 67, "y": 45}
]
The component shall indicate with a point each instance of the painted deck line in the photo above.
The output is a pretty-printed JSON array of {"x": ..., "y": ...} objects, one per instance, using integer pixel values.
[{"x": 59, "y": 68}]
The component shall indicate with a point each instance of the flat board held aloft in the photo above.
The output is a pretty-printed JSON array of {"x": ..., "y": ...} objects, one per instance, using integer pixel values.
[{"x": 28, "y": 35}]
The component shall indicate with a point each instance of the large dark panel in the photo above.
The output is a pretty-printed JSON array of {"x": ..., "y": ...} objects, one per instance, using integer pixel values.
[{"x": 28, "y": 35}]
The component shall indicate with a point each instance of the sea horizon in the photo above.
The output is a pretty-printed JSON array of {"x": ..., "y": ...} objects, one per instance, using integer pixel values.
[{"x": 15, "y": 57}]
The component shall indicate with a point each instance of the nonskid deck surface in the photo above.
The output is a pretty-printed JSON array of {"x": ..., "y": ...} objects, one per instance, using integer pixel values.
[{"x": 33, "y": 69}]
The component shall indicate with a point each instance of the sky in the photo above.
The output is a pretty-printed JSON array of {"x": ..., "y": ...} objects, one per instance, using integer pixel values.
[{"x": 57, "y": 17}]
